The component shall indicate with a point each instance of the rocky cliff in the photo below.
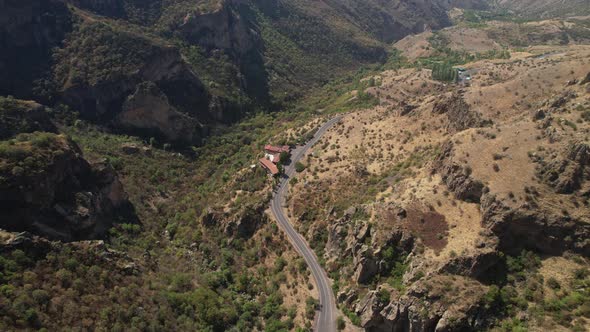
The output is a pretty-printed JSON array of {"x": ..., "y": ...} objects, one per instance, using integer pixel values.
[
  {"x": 528, "y": 225},
  {"x": 29, "y": 29},
  {"x": 48, "y": 188},
  {"x": 17, "y": 116},
  {"x": 262, "y": 52}
]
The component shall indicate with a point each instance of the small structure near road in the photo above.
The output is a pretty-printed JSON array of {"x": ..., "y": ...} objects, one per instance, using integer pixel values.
[
  {"x": 272, "y": 157},
  {"x": 269, "y": 166},
  {"x": 273, "y": 153}
]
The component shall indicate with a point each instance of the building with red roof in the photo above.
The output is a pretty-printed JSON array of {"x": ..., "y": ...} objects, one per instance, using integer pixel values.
[
  {"x": 273, "y": 153},
  {"x": 269, "y": 166},
  {"x": 271, "y": 149}
]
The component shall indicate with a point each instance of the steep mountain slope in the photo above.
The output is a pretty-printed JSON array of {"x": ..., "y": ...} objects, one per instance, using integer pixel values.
[
  {"x": 433, "y": 204},
  {"x": 475, "y": 190},
  {"x": 545, "y": 8},
  {"x": 28, "y": 32},
  {"x": 213, "y": 60}
]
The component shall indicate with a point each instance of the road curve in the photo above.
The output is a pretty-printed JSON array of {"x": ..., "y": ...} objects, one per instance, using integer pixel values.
[{"x": 326, "y": 319}]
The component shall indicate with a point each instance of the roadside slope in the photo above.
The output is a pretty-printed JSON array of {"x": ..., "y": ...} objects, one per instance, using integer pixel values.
[{"x": 326, "y": 320}]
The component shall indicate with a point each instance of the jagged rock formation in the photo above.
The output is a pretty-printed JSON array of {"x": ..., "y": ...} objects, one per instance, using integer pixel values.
[
  {"x": 148, "y": 110},
  {"x": 247, "y": 221},
  {"x": 456, "y": 176},
  {"x": 47, "y": 188},
  {"x": 459, "y": 113},
  {"x": 241, "y": 224},
  {"x": 569, "y": 170},
  {"x": 522, "y": 228},
  {"x": 99, "y": 93},
  {"x": 426, "y": 306},
  {"x": 99, "y": 65},
  {"x": 526, "y": 225},
  {"x": 221, "y": 29}
]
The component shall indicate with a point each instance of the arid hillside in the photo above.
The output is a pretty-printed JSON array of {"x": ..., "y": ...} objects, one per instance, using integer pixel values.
[
  {"x": 294, "y": 165},
  {"x": 468, "y": 188}
]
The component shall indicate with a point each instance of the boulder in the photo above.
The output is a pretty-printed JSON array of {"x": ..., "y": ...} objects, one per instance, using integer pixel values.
[
  {"x": 130, "y": 148},
  {"x": 539, "y": 115},
  {"x": 366, "y": 269}
]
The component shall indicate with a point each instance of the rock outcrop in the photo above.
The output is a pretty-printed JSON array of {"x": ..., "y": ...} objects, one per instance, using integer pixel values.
[
  {"x": 459, "y": 113},
  {"x": 50, "y": 190},
  {"x": 456, "y": 176},
  {"x": 246, "y": 222},
  {"x": 18, "y": 116},
  {"x": 523, "y": 227},
  {"x": 357, "y": 240},
  {"x": 426, "y": 307},
  {"x": 479, "y": 265},
  {"x": 99, "y": 91},
  {"x": 241, "y": 224},
  {"x": 568, "y": 170},
  {"x": 527, "y": 225},
  {"x": 222, "y": 29},
  {"x": 149, "y": 111}
]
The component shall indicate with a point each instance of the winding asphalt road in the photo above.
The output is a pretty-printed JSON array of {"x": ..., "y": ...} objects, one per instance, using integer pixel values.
[{"x": 326, "y": 320}]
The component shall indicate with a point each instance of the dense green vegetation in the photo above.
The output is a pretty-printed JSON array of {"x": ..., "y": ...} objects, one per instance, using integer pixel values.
[
  {"x": 444, "y": 72},
  {"x": 524, "y": 290},
  {"x": 188, "y": 265},
  {"x": 188, "y": 279},
  {"x": 17, "y": 116},
  {"x": 29, "y": 155},
  {"x": 77, "y": 280},
  {"x": 442, "y": 53},
  {"x": 98, "y": 53},
  {"x": 192, "y": 281}
]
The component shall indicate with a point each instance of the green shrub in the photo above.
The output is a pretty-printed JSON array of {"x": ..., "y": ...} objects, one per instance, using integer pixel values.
[
  {"x": 340, "y": 323},
  {"x": 553, "y": 283},
  {"x": 71, "y": 264},
  {"x": 299, "y": 167},
  {"x": 40, "y": 296},
  {"x": 383, "y": 295},
  {"x": 354, "y": 318}
]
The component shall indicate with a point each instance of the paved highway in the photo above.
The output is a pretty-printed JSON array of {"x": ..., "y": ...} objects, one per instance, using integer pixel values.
[{"x": 326, "y": 319}]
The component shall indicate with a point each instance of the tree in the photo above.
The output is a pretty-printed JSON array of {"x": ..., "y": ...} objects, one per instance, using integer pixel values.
[
  {"x": 444, "y": 71},
  {"x": 340, "y": 323},
  {"x": 299, "y": 167},
  {"x": 284, "y": 157},
  {"x": 281, "y": 169}
]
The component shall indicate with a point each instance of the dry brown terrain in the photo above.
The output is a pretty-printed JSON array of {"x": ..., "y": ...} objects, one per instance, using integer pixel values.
[{"x": 505, "y": 128}]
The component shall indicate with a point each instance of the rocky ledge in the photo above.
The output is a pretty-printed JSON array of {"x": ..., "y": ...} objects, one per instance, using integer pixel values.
[{"x": 49, "y": 189}]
